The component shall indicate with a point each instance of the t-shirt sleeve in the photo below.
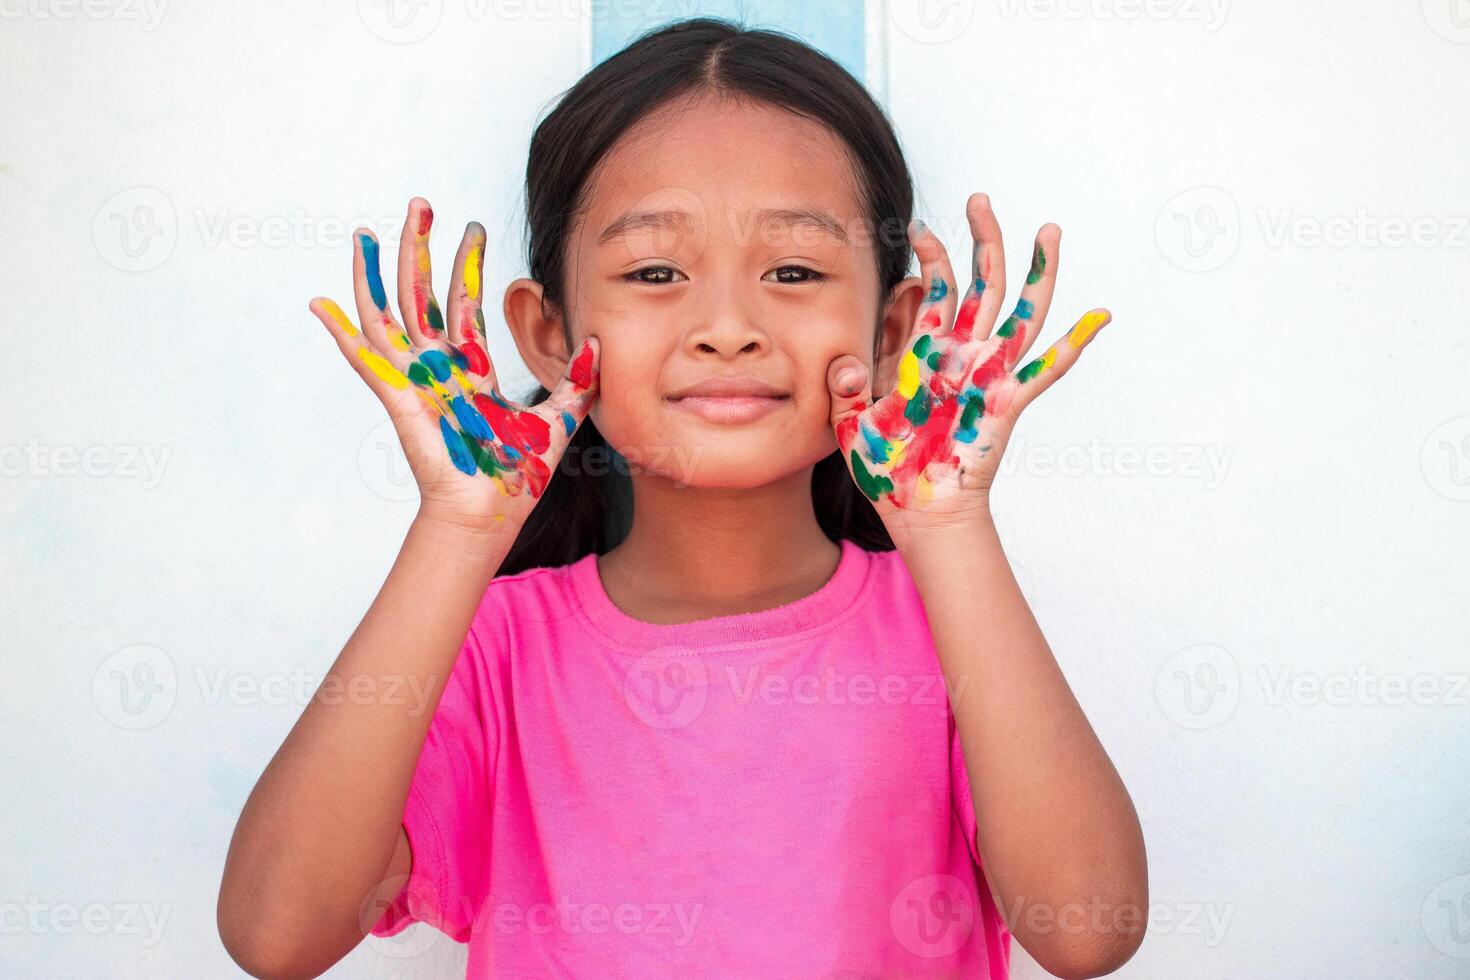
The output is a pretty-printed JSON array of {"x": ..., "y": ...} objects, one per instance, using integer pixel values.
[{"x": 447, "y": 814}]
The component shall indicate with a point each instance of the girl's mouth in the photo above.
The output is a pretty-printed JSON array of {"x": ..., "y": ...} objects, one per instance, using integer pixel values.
[{"x": 729, "y": 408}]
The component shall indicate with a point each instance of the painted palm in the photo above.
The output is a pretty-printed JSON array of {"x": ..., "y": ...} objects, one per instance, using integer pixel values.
[
  {"x": 437, "y": 381},
  {"x": 939, "y": 434}
]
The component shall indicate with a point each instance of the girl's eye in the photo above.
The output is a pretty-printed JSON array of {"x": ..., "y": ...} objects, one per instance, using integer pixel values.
[
  {"x": 796, "y": 274},
  {"x": 653, "y": 275}
]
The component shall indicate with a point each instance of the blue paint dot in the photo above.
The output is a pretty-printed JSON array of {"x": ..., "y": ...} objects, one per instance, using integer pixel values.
[
  {"x": 374, "y": 274},
  {"x": 568, "y": 420},
  {"x": 1024, "y": 309},
  {"x": 938, "y": 289},
  {"x": 877, "y": 445}
]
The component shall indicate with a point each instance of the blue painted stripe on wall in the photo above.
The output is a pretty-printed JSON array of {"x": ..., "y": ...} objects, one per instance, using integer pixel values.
[{"x": 834, "y": 26}]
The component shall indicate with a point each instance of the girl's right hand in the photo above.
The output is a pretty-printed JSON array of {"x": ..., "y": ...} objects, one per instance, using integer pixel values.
[{"x": 478, "y": 459}]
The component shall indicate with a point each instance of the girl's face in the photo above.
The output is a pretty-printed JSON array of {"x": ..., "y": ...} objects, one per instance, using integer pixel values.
[{"x": 726, "y": 240}]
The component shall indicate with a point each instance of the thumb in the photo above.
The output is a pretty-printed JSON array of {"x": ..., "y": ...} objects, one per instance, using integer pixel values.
[
  {"x": 850, "y": 384},
  {"x": 575, "y": 392}
]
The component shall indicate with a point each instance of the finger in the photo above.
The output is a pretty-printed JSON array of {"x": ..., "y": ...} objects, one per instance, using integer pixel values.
[
  {"x": 936, "y": 312},
  {"x": 466, "y": 320},
  {"x": 380, "y": 375},
  {"x": 1022, "y": 326},
  {"x": 987, "y": 272},
  {"x": 574, "y": 394},
  {"x": 1040, "y": 374},
  {"x": 415, "y": 280},
  {"x": 382, "y": 331},
  {"x": 850, "y": 384}
]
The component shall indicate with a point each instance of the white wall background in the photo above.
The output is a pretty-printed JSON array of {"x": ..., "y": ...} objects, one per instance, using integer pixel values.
[{"x": 1267, "y": 626}]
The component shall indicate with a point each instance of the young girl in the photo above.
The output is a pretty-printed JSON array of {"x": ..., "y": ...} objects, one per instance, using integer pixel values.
[{"x": 728, "y": 673}]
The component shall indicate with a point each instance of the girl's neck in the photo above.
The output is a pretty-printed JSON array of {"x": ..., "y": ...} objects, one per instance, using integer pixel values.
[{"x": 698, "y": 553}]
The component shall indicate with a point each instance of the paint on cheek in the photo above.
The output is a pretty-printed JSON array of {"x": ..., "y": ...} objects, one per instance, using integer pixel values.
[
  {"x": 581, "y": 371},
  {"x": 1038, "y": 266},
  {"x": 374, "y": 274}
]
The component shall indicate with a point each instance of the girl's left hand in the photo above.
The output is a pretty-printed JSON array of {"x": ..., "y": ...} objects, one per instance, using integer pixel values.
[{"x": 927, "y": 452}]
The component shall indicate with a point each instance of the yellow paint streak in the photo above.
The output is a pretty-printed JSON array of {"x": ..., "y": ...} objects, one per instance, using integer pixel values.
[
  {"x": 422, "y": 250},
  {"x": 382, "y": 368},
  {"x": 464, "y": 382},
  {"x": 1086, "y": 327},
  {"x": 472, "y": 271},
  {"x": 340, "y": 318},
  {"x": 908, "y": 375},
  {"x": 431, "y": 402},
  {"x": 400, "y": 340}
]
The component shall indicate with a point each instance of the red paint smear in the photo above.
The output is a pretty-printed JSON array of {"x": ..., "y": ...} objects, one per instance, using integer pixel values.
[
  {"x": 848, "y": 427},
  {"x": 525, "y": 431},
  {"x": 581, "y": 373},
  {"x": 536, "y": 474},
  {"x": 994, "y": 366},
  {"x": 426, "y": 218},
  {"x": 930, "y": 444},
  {"x": 478, "y": 362},
  {"x": 930, "y": 323},
  {"x": 421, "y": 304},
  {"x": 964, "y": 323}
]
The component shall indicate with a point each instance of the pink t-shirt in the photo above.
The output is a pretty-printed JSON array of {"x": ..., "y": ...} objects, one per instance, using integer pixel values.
[{"x": 772, "y": 794}]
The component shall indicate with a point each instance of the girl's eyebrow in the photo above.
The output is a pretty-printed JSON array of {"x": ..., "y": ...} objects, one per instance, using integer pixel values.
[{"x": 674, "y": 219}]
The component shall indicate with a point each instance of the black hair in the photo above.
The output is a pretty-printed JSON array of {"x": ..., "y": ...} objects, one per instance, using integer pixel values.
[{"x": 587, "y": 505}]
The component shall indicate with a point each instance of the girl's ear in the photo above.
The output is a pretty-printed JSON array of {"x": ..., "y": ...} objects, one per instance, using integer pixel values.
[
  {"x": 537, "y": 329},
  {"x": 894, "y": 332}
]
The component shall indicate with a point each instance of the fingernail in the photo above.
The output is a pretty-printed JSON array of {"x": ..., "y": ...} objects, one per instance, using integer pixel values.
[
  {"x": 847, "y": 380},
  {"x": 917, "y": 227}
]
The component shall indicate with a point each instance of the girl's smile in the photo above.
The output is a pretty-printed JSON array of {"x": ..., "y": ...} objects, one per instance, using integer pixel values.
[{"x": 731, "y": 399}]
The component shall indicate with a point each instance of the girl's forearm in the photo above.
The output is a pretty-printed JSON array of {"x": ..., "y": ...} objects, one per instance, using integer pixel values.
[
  {"x": 318, "y": 831},
  {"x": 1060, "y": 839}
]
